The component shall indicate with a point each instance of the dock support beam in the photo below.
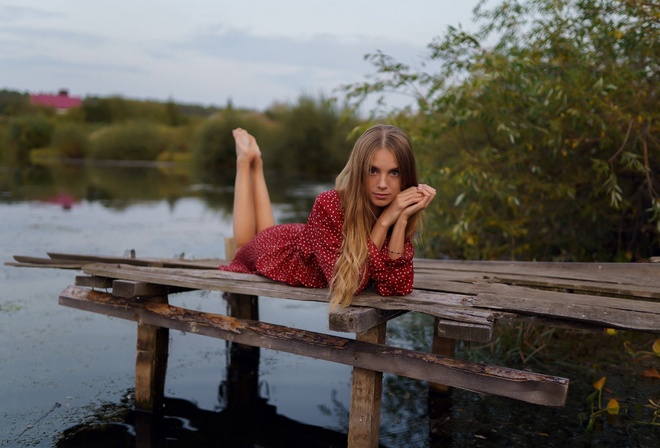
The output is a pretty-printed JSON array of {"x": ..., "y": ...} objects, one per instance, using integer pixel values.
[
  {"x": 151, "y": 363},
  {"x": 366, "y": 394},
  {"x": 441, "y": 346}
]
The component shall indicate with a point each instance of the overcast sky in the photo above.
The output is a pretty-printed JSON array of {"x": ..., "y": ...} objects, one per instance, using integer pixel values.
[{"x": 254, "y": 52}]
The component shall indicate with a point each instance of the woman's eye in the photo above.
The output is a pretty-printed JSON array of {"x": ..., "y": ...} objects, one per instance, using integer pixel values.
[
  {"x": 373, "y": 171},
  {"x": 394, "y": 173}
]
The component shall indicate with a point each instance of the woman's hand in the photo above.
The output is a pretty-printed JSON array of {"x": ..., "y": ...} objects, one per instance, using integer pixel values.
[
  {"x": 406, "y": 203},
  {"x": 428, "y": 194}
]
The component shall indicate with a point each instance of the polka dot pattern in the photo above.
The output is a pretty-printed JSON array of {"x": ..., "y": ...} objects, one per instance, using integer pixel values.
[{"x": 305, "y": 254}]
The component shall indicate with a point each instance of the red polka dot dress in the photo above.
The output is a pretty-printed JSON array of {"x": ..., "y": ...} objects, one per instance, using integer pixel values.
[{"x": 305, "y": 254}]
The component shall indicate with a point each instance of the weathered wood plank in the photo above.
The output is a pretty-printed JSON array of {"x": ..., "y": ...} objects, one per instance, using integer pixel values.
[
  {"x": 62, "y": 265},
  {"x": 605, "y": 311},
  {"x": 140, "y": 261},
  {"x": 576, "y": 268},
  {"x": 476, "y": 303},
  {"x": 355, "y": 319},
  {"x": 435, "y": 279},
  {"x": 128, "y": 289},
  {"x": 93, "y": 281},
  {"x": 34, "y": 261},
  {"x": 620, "y": 273},
  {"x": 526, "y": 386},
  {"x": 447, "y": 306},
  {"x": 464, "y": 331}
]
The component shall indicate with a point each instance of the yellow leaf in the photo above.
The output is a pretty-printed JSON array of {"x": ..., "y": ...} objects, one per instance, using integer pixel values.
[
  {"x": 611, "y": 331},
  {"x": 656, "y": 347},
  {"x": 651, "y": 373},
  {"x": 600, "y": 383},
  {"x": 612, "y": 407}
]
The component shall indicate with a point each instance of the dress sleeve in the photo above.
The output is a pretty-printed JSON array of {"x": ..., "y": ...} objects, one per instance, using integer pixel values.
[
  {"x": 391, "y": 277},
  {"x": 324, "y": 229}
]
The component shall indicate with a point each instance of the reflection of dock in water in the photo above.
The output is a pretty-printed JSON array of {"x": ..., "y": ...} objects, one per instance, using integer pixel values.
[{"x": 182, "y": 423}]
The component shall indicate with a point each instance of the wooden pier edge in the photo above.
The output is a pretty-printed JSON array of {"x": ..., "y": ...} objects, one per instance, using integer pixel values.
[{"x": 521, "y": 385}]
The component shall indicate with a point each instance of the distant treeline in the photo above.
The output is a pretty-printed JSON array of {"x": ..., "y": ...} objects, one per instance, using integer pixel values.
[{"x": 309, "y": 136}]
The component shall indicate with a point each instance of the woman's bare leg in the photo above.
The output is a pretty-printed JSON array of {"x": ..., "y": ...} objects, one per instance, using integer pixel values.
[{"x": 252, "y": 208}]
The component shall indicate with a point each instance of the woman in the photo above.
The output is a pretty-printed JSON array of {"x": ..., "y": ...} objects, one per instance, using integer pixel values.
[{"x": 356, "y": 234}]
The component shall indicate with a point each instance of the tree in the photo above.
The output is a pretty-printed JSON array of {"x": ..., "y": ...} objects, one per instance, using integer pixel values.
[
  {"x": 26, "y": 133},
  {"x": 313, "y": 136},
  {"x": 544, "y": 145}
]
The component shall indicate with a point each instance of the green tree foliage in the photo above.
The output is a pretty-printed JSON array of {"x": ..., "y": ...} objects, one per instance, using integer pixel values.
[
  {"x": 24, "y": 133},
  {"x": 70, "y": 140},
  {"x": 540, "y": 130},
  {"x": 13, "y": 103},
  {"x": 312, "y": 137},
  {"x": 214, "y": 148},
  {"x": 115, "y": 109},
  {"x": 127, "y": 141}
]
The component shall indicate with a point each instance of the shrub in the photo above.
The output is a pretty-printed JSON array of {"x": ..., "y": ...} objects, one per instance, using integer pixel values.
[
  {"x": 70, "y": 140},
  {"x": 127, "y": 141},
  {"x": 26, "y": 133},
  {"x": 214, "y": 147}
]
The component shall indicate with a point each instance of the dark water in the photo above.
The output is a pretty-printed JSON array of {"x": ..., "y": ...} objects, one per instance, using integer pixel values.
[{"x": 66, "y": 376}]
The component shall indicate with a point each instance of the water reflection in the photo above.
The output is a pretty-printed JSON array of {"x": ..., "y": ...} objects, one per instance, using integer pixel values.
[
  {"x": 117, "y": 186},
  {"x": 184, "y": 424}
]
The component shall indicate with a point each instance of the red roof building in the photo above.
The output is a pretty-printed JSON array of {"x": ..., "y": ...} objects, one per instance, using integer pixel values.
[{"x": 61, "y": 102}]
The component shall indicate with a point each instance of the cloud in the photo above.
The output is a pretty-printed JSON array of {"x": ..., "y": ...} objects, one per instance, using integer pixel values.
[
  {"x": 39, "y": 36},
  {"x": 9, "y": 13},
  {"x": 323, "y": 52}
]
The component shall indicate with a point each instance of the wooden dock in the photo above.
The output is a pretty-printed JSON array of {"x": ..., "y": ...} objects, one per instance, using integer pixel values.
[{"x": 467, "y": 299}]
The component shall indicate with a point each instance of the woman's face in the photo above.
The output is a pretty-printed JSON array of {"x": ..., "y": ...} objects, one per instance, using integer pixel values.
[{"x": 383, "y": 180}]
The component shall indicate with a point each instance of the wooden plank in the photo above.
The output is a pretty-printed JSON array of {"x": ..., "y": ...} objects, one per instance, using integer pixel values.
[
  {"x": 464, "y": 331},
  {"x": 93, "y": 281},
  {"x": 447, "y": 306},
  {"x": 128, "y": 289},
  {"x": 434, "y": 279},
  {"x": 638, "y": 315},
  {"x": 141, "y": 261},
  {"x": 630, "y": 274},
  {"x": 552, "y": 267},
  {"x": 522, "y": 385},
  {"x": 462, "y": 302},
  {"x": 61, "y": 265},
  {"x": 356, "y": 319},
  {"x": 34, "y": 261},
  {"x": 366, "y": 396}
]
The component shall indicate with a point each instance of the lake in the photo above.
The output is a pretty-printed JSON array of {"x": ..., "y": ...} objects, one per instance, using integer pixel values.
[{"x": 67, "y": 376}]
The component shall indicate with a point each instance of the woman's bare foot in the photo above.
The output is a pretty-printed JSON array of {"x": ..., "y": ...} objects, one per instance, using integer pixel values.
[{"x": 246, "y": 146}]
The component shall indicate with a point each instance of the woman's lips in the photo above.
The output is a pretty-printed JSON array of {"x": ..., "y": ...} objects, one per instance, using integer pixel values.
[{"x": 381, "y": 196}]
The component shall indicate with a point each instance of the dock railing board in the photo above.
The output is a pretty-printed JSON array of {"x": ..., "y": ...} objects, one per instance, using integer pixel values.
[{"x": 467, "y": 299}]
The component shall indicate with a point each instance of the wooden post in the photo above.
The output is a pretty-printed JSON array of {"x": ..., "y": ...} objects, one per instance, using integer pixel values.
[
  {"x": 151, "y": 363},
  {"x": 366, "y": 393},
  {"x": 243, "y": 368},
  {"x": 441, "y": 346}
]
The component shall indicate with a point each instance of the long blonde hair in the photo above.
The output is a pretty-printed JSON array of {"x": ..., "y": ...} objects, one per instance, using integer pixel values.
[{"x": 359, "y": 215}]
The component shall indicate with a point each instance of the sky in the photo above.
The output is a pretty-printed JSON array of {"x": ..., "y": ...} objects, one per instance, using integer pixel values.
[{"x": 208, "y": 52}]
